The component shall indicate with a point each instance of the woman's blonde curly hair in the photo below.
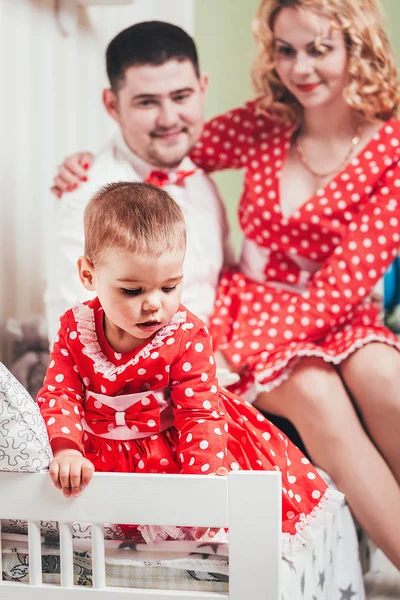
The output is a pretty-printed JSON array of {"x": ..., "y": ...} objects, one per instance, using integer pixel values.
[{"x": 373, "y": 90}]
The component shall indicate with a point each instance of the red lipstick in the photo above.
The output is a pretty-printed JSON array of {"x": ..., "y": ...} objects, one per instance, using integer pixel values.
[{"x": 308, "y": 87}]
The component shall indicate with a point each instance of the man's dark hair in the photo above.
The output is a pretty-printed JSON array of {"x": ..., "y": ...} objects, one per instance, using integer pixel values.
[{"x": 148, "y": 43}]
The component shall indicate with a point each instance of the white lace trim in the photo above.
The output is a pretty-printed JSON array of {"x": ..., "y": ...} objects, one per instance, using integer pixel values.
[
  {"x": 292, "y": 358},
  {"x": 292, "y": 544},
  {"x": 154, "y": 534},
  {"x": 309, "y": 526},
  {"x": 86, "y": 326}
]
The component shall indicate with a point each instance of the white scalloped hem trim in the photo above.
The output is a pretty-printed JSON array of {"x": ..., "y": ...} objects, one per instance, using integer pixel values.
[
  {"x": 86, "y": 326},
  {"x": 292, "y": 544},
  {"x": 293, "y": 358},
  {"x": 154, "y": 534},
  {"x": 308, "y": 528}
]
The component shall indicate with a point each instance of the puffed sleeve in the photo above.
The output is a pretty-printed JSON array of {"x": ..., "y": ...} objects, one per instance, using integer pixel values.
[
  {"x": 60, "y": 398},
  {"x": 199, "y": 412},
  {"x": 227, "y": 140},
  {"x": 347, "y": 277}
]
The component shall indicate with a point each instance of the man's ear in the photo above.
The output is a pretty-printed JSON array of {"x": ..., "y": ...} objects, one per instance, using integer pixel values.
[
  {"x": 86, "y": 273},
  {"x": 110, "y": 102},
  {"x": 204, "y": 79}
]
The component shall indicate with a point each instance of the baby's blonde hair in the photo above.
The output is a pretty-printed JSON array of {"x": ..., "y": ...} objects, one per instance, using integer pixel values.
[
  {"x": 373, "y": 90},
  {"x": 136, "y": 217}
]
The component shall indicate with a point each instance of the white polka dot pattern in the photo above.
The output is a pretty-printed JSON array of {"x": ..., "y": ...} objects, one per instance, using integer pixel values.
[
  {"x": 212, "y": 428},
  {"x": 335, "y": 246}
]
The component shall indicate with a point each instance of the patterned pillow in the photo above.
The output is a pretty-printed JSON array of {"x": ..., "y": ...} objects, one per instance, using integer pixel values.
[
  {"x": 49, "y": 529},
  {"x": 24, "y": 445}
]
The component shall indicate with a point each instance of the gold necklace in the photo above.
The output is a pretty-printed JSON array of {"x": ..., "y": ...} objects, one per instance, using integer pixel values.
[{"x": 354, "y": 141}]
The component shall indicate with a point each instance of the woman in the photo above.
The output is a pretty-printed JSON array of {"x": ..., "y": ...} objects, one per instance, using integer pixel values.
[{"x": 320, "y": 215}]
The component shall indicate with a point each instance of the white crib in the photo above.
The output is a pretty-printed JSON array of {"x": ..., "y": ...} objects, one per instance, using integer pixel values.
[{"x": 249, "y": 503}]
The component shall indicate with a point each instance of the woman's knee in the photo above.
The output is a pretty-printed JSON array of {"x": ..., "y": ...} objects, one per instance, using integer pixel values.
[
  {"x": 308, "y": 394},
  {"x": 372, "y": 375},
  {"x": 316, "y": 386},
  {"x": 374, "y": 361}
]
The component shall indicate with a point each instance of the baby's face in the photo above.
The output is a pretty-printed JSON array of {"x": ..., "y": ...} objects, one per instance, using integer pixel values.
[{"x": 139, "y": 294}]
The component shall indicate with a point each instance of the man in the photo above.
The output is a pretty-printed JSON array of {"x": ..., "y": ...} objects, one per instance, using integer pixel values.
[{"x": 156, "y": 96}]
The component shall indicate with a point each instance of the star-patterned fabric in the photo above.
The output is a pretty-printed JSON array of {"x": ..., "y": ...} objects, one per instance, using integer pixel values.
[
  {"x": 211, "y": 427},
  {"x": 304, "y": 282}
]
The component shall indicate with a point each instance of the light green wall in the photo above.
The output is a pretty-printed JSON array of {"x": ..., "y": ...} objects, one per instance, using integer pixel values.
[
  {"x": 226, "y": 49},
  {"x": 392, "y": 13}
]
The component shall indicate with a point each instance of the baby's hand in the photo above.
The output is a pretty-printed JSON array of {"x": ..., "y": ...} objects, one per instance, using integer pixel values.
[
  {"x": 211, "y": 531},
  {"x": 70, "y": 471}
]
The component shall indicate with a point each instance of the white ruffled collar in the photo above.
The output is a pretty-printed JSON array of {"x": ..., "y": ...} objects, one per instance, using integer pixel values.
[{"x": 86, "y": 327}]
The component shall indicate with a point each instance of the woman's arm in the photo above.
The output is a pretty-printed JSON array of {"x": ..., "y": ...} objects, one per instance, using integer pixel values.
[{"x": 228, "y": 140}]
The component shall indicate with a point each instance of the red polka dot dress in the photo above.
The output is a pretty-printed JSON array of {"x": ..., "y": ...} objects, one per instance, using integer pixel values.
[
  {"x": 159, "y": 409},
  {"x": 303, "y": 287}
]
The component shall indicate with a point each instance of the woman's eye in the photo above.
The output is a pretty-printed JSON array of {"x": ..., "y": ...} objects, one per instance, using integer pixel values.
[
  {"x": 285, "y": 51},
  {"x": 318, "y": 52},
  {"x": 132, "y": 292},
  {"x": 169, "y": 289}
]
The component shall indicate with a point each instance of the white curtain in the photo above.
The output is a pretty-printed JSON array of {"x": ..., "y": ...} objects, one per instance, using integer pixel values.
[{"x": 50, "y": 105}]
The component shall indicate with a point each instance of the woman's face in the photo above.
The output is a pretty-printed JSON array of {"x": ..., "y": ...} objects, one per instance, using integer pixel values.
[{"x": 311, "y": 57}]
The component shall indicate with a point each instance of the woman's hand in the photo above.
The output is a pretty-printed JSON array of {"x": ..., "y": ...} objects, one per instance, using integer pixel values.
[
  {"x": 70, "y": 471},
  {"x": 227, "y": 374},
  {"x": 71, "y": 173},
  {"x": 211, "y": 531}
]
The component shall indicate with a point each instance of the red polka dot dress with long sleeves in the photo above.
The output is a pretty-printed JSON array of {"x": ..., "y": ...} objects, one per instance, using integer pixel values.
[
  {"x": 304, "y": 282},
  {"x": 159, "y": 409}
]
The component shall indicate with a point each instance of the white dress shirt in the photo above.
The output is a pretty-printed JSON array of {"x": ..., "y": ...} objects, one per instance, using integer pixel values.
[{"x": 208, "y": 243}]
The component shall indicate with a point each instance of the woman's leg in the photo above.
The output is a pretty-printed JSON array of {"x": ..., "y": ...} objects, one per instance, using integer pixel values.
[
  {"x": 315, "y": 400},
  {"x": 372, "y": 375}
]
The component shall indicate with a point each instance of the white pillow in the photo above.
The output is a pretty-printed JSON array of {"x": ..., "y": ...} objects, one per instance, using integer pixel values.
[{"x": 24, "y": 444}]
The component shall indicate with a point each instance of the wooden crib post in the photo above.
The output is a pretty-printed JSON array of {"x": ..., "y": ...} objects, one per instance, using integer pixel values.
[
  {"x": 98, "y": 556},
  {"x": 66, "y": 554},
  {"x": 35, "y": 553},
  {"x": 254, "y": 571}
]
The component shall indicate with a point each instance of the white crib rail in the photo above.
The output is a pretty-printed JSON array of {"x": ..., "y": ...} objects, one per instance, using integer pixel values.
[
  {"x": 35, "y": 555},
  {"x": 249, "y": 503},
  {"x": 66, "y": 555}
]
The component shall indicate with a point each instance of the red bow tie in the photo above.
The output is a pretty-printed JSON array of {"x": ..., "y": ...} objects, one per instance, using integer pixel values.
[
  {"x": 162, "y": 178},
  {"x": 142, "y": 417}
]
